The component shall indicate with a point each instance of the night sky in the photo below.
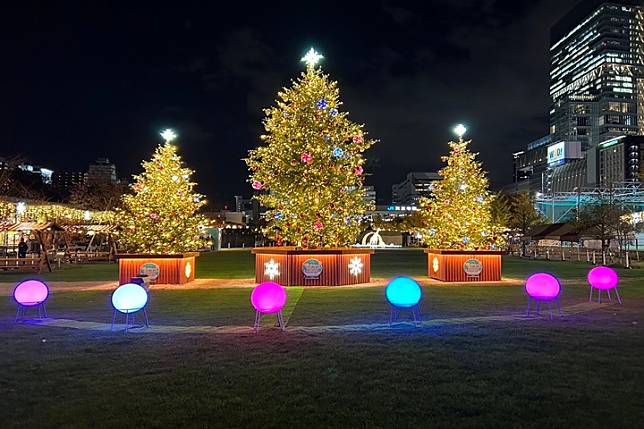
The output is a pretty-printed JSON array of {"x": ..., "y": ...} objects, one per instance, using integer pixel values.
[{"x": 93, "y": 79}]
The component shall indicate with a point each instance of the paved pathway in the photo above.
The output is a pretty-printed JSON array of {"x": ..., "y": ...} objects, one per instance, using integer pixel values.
[{"x": 206, "y": 329}]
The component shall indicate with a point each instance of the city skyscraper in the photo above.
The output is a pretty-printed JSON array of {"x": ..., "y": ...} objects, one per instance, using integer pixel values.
[{"x": 597, "y": 75}]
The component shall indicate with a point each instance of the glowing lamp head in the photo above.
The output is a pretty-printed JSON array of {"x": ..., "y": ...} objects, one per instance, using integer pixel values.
[
  {"x": 268, "y": 297},
  {"x": 542, "y": 286},
  {"x": 29, "y": 293},
  {"x": 129, "y": 298},
  {"x": 403, "y": 292},
  {"x": 603, "y": 278}
]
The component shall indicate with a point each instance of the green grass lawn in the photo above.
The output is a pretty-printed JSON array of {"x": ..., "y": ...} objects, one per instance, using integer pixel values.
[
  {"x": 581, "y": 370},
  {"x": 238, "y": 264}
]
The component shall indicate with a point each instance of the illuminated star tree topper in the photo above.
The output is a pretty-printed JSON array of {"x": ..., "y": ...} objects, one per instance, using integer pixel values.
[{"x": 311, "y": 58}]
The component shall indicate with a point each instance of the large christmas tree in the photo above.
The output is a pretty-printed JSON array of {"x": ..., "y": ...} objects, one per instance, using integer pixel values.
[
  {"x": 310, "y": 167},
  {"x": 457, "y": 215},
  {"x": 161, "y": 215}
]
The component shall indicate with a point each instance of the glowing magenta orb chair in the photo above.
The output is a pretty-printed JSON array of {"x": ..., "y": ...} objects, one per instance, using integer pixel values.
[
  {"x": 543, "y": 287},
  {"x": 268, "y": 298},
  {"x": 129, "y": 299},
  {"x": 404, "y": 293},
  {"x": 30, "y": 294},
  {"x": 603, "y": 278}
]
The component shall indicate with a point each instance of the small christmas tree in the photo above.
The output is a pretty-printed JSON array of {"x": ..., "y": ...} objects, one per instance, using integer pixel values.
[
  {"x": 311, "y": 168},
  {"x": 457, "y": 215},
  {"x": 161, "y": 216}
]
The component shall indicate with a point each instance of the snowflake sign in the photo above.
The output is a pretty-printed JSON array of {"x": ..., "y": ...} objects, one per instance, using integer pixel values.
[
  {"x": 355, "y": 266},
  {"x": 271, "y": 269}
]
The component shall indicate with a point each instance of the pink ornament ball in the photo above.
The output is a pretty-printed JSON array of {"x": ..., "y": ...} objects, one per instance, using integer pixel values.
[
  {"x": 257, "y": 185},
  {"x": 318, "y": 226},
  {"x": 358, "y": 170},
  {"x": 30, "y": 293},
  {"x": 603, "y": 278},
  {"x": 268, "y": 297},
  {"x": 306, "y": 158},
  {"x": 542, "y": 286}
]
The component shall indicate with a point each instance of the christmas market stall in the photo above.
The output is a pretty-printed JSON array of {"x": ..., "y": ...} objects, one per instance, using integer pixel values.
[{"x": 40, "y": 241}]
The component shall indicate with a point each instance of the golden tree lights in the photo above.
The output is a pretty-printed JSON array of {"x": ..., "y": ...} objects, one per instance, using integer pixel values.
[
  {"x": 161, "y": 215},
  {"x": 310, "y": 167},
  {"x": 457, "y": 215},
  {"x": 42, "y": 212}
]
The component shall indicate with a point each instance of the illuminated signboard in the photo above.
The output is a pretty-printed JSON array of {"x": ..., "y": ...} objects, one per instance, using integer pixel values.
[{"x": 556, "y": 153}]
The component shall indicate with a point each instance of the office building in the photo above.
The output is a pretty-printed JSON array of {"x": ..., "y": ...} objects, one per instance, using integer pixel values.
[
  {"x": 597, "y": 75},
  {"x": 369, "y": 196},
  {"x": 621, "y": 160},
  {"x": 102, "y": 171},
  {"x": 66, "y": 181},
  {"x": 597, "y": 92},
  {"x": 415, "y": 186}
]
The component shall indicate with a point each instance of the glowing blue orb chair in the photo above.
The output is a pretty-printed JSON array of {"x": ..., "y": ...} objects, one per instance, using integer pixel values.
[{"x": 404, "y": 293}]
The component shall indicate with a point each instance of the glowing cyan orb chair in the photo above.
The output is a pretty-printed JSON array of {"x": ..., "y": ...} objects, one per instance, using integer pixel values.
[
  {"x": 603, "y": 278},
  {"x": 268, "y": 298},
  {"x": 30, "y": 294},
  {"x": 129, "y": 299},
  {"x": 543, "y": 287},
  {"x": 404, "y": 293}
]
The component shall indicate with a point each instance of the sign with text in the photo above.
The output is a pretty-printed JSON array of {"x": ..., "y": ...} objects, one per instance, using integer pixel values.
[{"x": 312, "y": 268}]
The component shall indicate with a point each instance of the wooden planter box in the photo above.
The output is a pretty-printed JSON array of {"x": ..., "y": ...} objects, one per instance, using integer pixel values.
[
  {"x": 464, "y": 265},
  {"x": 163, "y": 269},
  {"x": 289, "y": 266}
]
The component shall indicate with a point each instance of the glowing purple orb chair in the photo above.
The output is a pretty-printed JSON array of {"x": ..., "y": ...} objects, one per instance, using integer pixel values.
[
  {"x": 603, "y": 279},
  {"x": 31, "y": 294},
  {"x": 543, "y": 287},
  {"x": 129, "y": 299},
  {"x": 268, "y": 298}
]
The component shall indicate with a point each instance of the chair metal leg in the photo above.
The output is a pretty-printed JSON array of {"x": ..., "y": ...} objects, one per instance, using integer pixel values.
[
  {"x": 18, "y": 313},
  {"x": 538, "y": 307},
  {"x": 558, "y": 307},
  {"x": 145, "y": 318},
  {"x": 127, "y": 321},
  {"x": 619, "y": 299},
  {"x": 590, "y": 298},
  {"x": 550, "y": 307},
  {"x": 599, "y": 296},
  {"x": 113, "y": 320},
  {"x": 257, "y": 320},
  {"x": 609, "y": 297},
  {"x": 529, "y": 302}
]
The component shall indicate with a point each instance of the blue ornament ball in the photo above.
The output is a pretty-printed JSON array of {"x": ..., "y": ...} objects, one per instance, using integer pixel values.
[
  {"x": 466, "y": 240},
  {"x": 338, "y": 153},
  {"x": 322, "y": 104},
  {"x": 333, "y": 112}
]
